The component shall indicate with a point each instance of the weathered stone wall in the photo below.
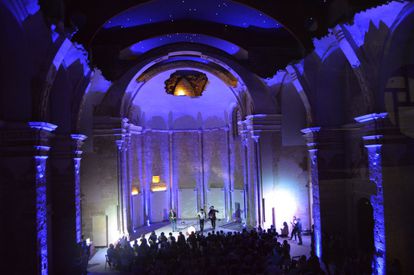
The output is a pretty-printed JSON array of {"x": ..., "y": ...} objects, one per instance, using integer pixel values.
[
  {"x": 215, "y": 158},
  {"x": 193, "y": 154},
  {"x": 186, "y": 159},
  {"x": 238, "y": 165},
  {"x": 293, "y": 177},
  {"x": 100, "y": 192}
]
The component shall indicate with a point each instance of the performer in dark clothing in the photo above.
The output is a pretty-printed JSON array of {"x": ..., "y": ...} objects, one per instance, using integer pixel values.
[
  {"x": 284, "y": 230},
  {"x": 212, "y": 217},
  {"x": 299, "y": 231},
  {"x": 201, "y": 217},
  {"x": 294, "y": 228}
]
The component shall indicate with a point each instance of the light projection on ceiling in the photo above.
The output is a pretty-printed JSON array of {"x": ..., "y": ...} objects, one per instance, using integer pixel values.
[
  {"x": 219, "y": 11},
  {"x": 186, "y": 83}
]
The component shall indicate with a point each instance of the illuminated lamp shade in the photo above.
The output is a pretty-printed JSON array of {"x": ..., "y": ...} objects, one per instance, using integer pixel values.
[
  {"x": 158, "y": 187},
  {"x": 155, "y": 179},
  {"x": 186, "y": 83},
  {"x": 134, "y": 190}
]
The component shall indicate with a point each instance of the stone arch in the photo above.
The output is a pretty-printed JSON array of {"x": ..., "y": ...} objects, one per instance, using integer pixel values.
[
  {"x": 15, "y": 78},
  {"x": 326, "y": 99},
  {"x": 302, "y": 87},
  {"x": 224, "y": 75},
  {"x": 235, "y": 118},
  {"x": 398, "y": 54},
  {"x": 65, "y": 97},
  {"x": 22, "y": 9},
  {"x": 122, "y": 92},
  {"x": 400, "y": 30},
  {"x": 239, "y": 90}
]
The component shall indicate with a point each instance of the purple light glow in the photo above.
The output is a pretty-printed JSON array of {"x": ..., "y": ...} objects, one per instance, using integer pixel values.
[
  {"x": 316, "y": 202},
  {"x": 41, "y": 212},
  {"x": 75, "y": 53},
  {"x": 363, "y": 21},
  {"x": 41, "y": 196},
  {"x": 151, "y": 43},
  {"x": 371, "y": 117},
  {"x": 78, "y": 200},
  {"x": 324, "y": 46},
  {"x": 377, "y": 202},
  {"x": 22, "y": 9}
]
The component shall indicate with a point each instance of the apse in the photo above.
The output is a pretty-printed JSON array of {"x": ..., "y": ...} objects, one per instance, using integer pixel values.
[
  {"x": 187, "y": 146},
  {"x": 155, "y": 109}
]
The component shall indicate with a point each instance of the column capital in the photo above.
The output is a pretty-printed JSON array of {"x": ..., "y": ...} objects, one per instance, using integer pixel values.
[
  {"x": 67, "y": 145},
  {"x": 120, "y": 144},
  {"x": 369, "y": 118},
  {"x": 110, "y": 126},
  {"x": 256, "y": 125},
  {"x": 25, "y": 139},
  {"x": 373, "y": 140},
  {"x": 373, "y": 124},
  {"x": 311, "y": 135},
  {"x": 78, "y": 137},
  {"x": 326, "y": 138},
  {"x": 78, "y": 142},
  {"x": 40, "y": 125},
  {"x": 376, "y": 128}
]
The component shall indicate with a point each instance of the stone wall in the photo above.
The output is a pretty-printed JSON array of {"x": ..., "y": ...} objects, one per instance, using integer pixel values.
[
  {"x": 293, "y": 182},
  {"x": 100, "y": 192}
]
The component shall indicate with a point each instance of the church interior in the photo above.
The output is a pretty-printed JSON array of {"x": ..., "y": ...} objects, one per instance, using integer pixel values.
[{"x": 114, "y": 112}]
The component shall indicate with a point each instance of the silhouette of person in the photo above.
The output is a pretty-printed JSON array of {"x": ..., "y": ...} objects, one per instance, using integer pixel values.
[
  {"x": 201, "y": 217},
  {"x": 173, "y": 219},
  {"x": 212, "y": 217}
]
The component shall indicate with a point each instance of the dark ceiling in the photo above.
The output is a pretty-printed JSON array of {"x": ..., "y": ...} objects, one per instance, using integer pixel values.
[{"x": 273, "y": 33}]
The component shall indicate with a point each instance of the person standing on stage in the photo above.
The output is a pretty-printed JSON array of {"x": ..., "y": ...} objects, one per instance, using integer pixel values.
[
  {"x": 294, "y": 228},
  {"x": 201, "y": 217},
  {"x": 212, "y": 217},
  {"x": 299, "y": 231},
  {"x": 173, "y": 219}
]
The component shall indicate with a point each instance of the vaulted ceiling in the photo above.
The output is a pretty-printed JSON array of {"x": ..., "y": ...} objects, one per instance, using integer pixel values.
[{"x": 263, "y": 36}]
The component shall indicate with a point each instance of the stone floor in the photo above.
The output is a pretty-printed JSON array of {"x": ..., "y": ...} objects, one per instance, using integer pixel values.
[{"x": 96, "y": 265}]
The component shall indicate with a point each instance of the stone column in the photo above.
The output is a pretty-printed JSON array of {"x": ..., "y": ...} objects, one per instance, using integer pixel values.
[
  {"x": 252, "y": 214},
  {"x": 229, "y": 188},
  {"x": 373, "y": 143},
  {"x": 103, "y": 181},
  {"x": 123, "y": 194},
  {"x": 132, "y": 168},
  {"x": 78, "y": 139},
  {"x": 148, "y": 177},
  {"x": 377, "y": 202},
  {"x": 124, "y": 179},
  {"x": 310, "y": 135},
  {"x": 261, "y": 136},
  {"x": 202, "y": 188},
  {"x": 24, "y": 202},
  {"x": 170, "y": 169},
  {"x": 66, "y": 232}
]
